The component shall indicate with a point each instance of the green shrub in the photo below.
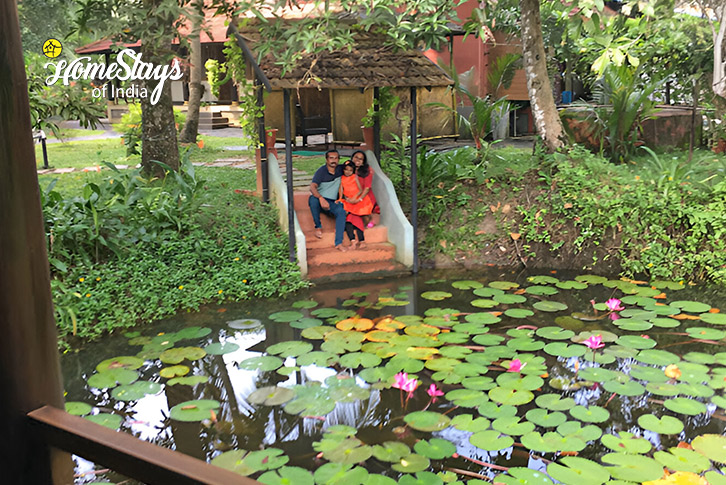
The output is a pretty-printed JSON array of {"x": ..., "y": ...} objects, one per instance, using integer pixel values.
[{"x": 130, "y": 127}]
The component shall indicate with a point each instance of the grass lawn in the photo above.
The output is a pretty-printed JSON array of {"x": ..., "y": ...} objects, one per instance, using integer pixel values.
[{"x": 64, "y": 133}]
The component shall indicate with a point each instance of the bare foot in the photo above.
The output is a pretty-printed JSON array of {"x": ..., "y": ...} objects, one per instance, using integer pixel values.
[
  {"x": 341, "y": 248},
  {"x": 319, "y": 232},
  {"x": 353, "y": 245},
  {"x": 362, "y": 245}
]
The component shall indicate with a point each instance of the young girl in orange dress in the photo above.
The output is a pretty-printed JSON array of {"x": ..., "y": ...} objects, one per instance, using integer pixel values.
[{"x": 351, "y": 194}]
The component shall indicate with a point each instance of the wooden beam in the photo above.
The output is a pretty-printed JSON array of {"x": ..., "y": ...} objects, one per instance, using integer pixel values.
[{"x": 127, "y": 454}]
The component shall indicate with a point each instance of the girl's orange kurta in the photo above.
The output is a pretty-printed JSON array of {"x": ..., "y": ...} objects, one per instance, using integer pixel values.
[{"x": 350, "y": 190}]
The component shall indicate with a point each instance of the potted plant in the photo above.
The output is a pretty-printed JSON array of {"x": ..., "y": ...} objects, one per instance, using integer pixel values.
[{"x": 386, "y": 102}]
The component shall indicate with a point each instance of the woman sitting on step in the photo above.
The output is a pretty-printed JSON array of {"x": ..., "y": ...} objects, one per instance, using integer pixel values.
[
  {"x": 355, "y": 204},
  {"x": 365, "y": 178}
]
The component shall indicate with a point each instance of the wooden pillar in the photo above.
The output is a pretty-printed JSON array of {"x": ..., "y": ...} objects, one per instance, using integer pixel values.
[
  {"x": 288, "y": 169},
  {"x": 414, "y": 181},
  {"x": 29, "y": 365}
]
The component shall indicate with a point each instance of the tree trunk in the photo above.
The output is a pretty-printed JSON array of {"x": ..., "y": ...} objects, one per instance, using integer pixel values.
[
  {"x": 196, "y": 89},
  {"x": 719, "y": 45},
  {"x": 29, "y": 364},
  {"x": 158, "y": 129},
  {"x": 546, "y": 118}
]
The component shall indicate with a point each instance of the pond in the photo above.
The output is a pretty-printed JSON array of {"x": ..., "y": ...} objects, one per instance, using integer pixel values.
[{"x": 440, "y": 378}]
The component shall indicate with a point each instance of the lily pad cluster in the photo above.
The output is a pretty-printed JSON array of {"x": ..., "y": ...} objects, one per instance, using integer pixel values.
[{"x": 622, "y": 389}]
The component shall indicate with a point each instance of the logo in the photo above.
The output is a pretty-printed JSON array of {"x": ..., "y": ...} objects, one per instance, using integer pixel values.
[{"x": 52, "y": 48}]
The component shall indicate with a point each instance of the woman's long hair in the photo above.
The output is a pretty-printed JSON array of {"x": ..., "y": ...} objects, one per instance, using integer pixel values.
[{"x": 364, "y": 169}]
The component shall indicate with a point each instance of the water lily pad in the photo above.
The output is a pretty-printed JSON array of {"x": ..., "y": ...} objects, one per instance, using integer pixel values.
[
  {"x": 554, "y": 402},
  {"x": 491, "y": 440},
  {"x": 624, "y": 387},
  {"x": 518, "y": 313},
  {"x": 712, "y": 446},
  {"x": 657, "y": 357},
  {"x": 349, "y": 451},
  {"x": 391, "y": 451},
  {"x": 591, "y": 279},
  {"x": 306, "y": 322},
  {"x": 291, "y": 348},
  {"x": 493, "y": 411},
  {"x": 633, "y": 325},
  {"x": 715, "y": 478},
  {"x": 508, "y": 299},
  {"x": 682, "y": 459},
  {"x": 626, "y": 443},
  {"x": 597, "y": 374},
  {"x": 244, "y": 323},
  {"x": 706, "y": 333},
  {"x": 478, "y": 383},
  {"x": 554, "y": 333},
  {"x": 467, "y": 422},
  {"x": 318, "y": 358},
  {"x": 174, "y": 371},
  {"x": 427, "y": 420},
  {"x": 467, "y": 398},
  {"x": 436, "y": 295},
  {"x": 194, "y": 410},
  {"x": 571, "y": 285},
  {"x": 665, "y": 322},
  {"x": 541, "y": 290},
  {"x": 112, "y": 421},
  {"x": 714, "y": 318},
  {"x": 345, "y": 389},
  {"x": 685, "y": 406},
  {"x": 354, "y": 360},
  {"x": 543, "y": 280},
  {"x": 339, "y": 474},
  {"x": 700, "y": 358},
  {"x": 412, "y": 463},
  {"x": 635, "y": 468},
  {"x": 219, "y": 348},
  {"x": 590, "y": 414},
  {"x": 513, "y": 426},
  {"x": 288, "y": 316},
  {"x": 545, "y": 419},
  {"x": 514, "y": 380},
  {"x": 649, "y": 374},
  {"x": 561, "y": 349},
  {"x": 271, "y": 396},
  {"x": 179, "y": 354},
  {"x": 523, "y": 476},
  {"x": 550, "y": 306},
  {"x": 691, "y": 306},
  {"x": 483, "y": 303},
  {"x": 511, "y": 397},
  {"x": 78, "y": 408},
  {"x": 552, "y": 442},
  {"x": 504, "y": 285},
  {"x": 576, "y": 429},
  {"x": 287, "y": 475},
  {"x": 663, "y": 425},
  {"x": 122, "y": 362},
  {"x": 305, "y": 304},
  {"x": 525, "y": 344},
  {"x": 112, "y": 377},
  {"x": 311, "y": 399},
  {"x": 193, "y": 333},
  {"x": 636, "y": 342},
  {"x": 135, "y": 391},
  {"x": 482, "y": 318},
  {"x": 573, "y": 470},
  {"x": 435, "y": 448},
  {"x": 662, "y": 389},
  {"x": 263, "y": 363}
]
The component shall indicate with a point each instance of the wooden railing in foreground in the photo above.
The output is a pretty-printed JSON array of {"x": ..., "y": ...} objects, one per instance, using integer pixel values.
[{"x": 126, "y": 454}]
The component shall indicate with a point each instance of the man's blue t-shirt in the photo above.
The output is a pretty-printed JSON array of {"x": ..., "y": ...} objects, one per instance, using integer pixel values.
[{"x": 328, "y": 184}]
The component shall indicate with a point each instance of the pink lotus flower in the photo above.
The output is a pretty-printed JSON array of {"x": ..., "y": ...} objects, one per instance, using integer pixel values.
[
  {"x": 434, "y": 392},
  {"x": 614, "y": 316},
  {"x": 594, "y": 342},
  {"x": 515, "y": 365},
  {"x": 403, "y": 382},
  {"x": 614, "y": 305}
]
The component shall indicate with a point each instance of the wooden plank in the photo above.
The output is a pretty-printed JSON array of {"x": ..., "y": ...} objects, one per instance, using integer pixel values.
[{"x": 126, "y": 454}]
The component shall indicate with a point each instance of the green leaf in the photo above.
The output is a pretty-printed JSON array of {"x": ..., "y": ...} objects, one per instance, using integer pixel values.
[
  {"x": 412, "y": 463},
  {"x": 554, "y": 402},
  {"x": 663, "y": 425},
  {"x": 554, "y": 333},
  {"x": 188, "y": 381},
  {"x": 550, "y": 306},
  {"x": 545, "y": 419},
  {"x": 691, "y": 306},
  {"x": 490, "y": 440},
  {"x": 635, "y": 468},
  {"x": 174, "y": 371},
  {"x": 291, "y": 348},
  {"x": 436, "y": 295},
  {"x": 197, "y": 410},
  {"x": 391, "y": 451},
  {"x": 435, "y": 448},
  {"x": 591, "y": 414},
  {"x": 193, "y": 333},
  {"x": 219, "y": 348},
  {"x": 287, "y": 475},
  {"x": 263, "y": 363},
  {"x": 112, "y": 421},
  {"x": 684, "y": 405},
  {"x": 510, "y": 396},
  {"x": 123, "y": 362},
  {"x": 518, "y": 313},
  {"x": 271, "y": 396},
  {"x": 112, "y": 377},
  {"x": 77, "y": 408},
  {"x": 626, "y": 443},
  {"x": 712, "y": 446},
  {"x": 578, "y": 471},
  {"x": 177, "y": 355},
  {"x": 290, "y": 316},
  {"x": 427, "y": 421},
  {"x": 681, "y": 459},
  {"x": 135, "y": 391},
  {"x": 467, "y": 422}
]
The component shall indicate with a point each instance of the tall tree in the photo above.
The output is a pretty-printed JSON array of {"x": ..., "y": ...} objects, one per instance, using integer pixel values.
[
  {"x": 544, "y": 111},
  {"x": 717, "y": 8},
  {"x": 196, "y": 88}
]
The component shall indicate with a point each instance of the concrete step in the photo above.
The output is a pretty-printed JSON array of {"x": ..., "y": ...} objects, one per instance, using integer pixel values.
[
  {"x": 378, "y": 234},
  {"x": 325, "y": 273},
  {"x": 374, "y": 253}
]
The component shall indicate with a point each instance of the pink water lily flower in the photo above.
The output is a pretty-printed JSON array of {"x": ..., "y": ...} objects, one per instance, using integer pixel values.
[
  {"x": 614, "y": 305},
  {"x": 434, "y": 392},
  {"x": 594, "y": 342},
  {"x": 515, "y": 365},
  {"x": 403, "y": 382}
]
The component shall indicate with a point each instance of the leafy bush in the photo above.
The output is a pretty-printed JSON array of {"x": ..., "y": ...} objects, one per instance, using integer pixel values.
[{"x": 130, "y": 127}]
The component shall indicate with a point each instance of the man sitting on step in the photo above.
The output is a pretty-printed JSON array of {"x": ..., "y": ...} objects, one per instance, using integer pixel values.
[{"x": 324, "y": 190}]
